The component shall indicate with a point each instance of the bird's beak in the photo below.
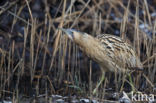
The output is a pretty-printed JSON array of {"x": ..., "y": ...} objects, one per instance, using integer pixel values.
[{"x": 69, "y": 32}]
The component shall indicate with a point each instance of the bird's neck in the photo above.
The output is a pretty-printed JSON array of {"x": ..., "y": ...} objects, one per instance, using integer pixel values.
[{"x": 89, "y": 45}]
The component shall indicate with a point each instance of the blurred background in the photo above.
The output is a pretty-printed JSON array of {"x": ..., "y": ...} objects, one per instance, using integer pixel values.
[{"x": 37, "y": 61}]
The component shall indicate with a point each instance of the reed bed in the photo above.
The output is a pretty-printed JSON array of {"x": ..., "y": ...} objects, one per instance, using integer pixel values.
[{"x": 37, "y": 59}]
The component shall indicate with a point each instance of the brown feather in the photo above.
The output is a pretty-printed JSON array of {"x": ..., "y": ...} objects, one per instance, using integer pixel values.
[{"x": 109, "y": 51}]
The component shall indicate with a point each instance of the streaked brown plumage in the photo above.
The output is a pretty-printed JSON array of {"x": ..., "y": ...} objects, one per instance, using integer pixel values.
[{"x": 109, "y": 51}]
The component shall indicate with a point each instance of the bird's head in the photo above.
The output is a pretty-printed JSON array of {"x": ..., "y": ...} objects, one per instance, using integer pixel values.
[{"x": 73, "y": 34}]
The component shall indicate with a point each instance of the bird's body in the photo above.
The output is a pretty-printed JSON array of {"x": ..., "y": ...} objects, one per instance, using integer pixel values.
[
  {"x": 120, "y": 55},
  {"x": 109, "y": 51}
]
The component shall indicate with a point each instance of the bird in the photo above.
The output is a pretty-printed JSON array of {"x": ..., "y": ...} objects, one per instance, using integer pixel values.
[{"x": 112, "y": 53}]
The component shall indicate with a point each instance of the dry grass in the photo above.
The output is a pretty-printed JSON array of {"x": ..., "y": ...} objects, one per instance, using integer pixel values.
[{"x": 44, "y": 60}]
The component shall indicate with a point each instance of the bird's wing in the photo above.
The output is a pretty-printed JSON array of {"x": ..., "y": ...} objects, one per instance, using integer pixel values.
[{"x": 121, "y": 54}]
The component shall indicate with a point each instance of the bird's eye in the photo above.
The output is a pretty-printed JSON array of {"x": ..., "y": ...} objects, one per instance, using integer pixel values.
[{"x": 72, "y": 35}]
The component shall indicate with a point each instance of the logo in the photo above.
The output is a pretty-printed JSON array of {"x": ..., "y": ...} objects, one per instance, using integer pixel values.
[{"x": 138, "y": 96}]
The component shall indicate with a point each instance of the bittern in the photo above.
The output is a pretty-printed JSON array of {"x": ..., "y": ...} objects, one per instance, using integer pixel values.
[{"x": 111, "y": 52}]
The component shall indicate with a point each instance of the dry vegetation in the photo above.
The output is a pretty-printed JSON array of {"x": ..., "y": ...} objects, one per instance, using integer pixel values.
[{"x": 35, "y": 58}]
